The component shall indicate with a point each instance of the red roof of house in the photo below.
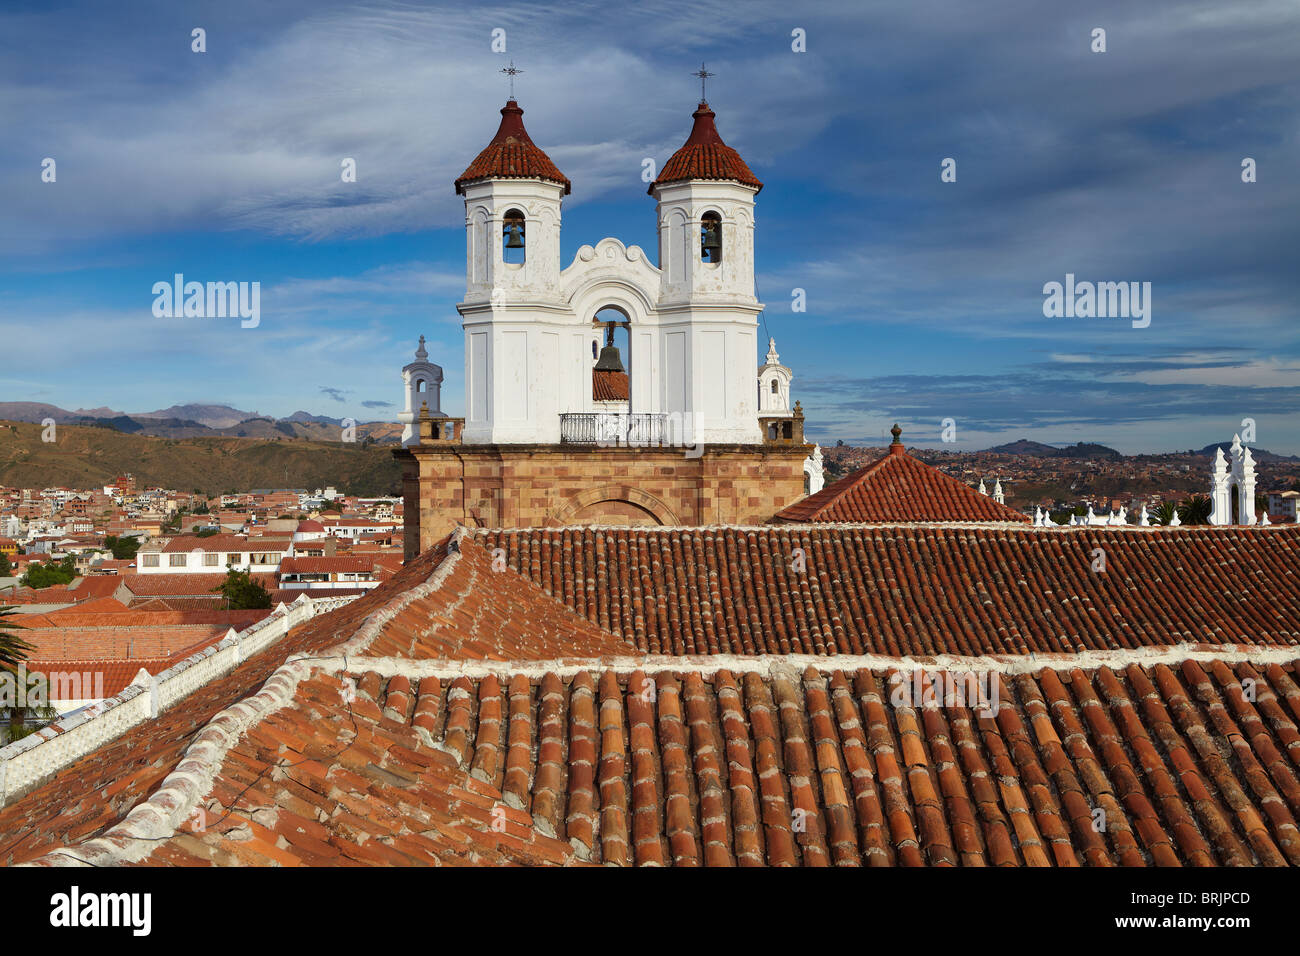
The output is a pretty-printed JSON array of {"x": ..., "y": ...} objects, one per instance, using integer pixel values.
[
  {"x": 512, "y": 155},
  {"x": 310, "y": 525},
  {"x": 609, "y": 386},
  {"x": 898, "y": 488},
  {"x": 226, "y": 542},
  {"x": 339, "y": 564},
  {"x": 705, "y": 156},
  {"x": 184, "y": 585}
]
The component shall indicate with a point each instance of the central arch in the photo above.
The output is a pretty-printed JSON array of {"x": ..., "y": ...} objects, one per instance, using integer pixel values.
[{"x": 625, "y": 495}]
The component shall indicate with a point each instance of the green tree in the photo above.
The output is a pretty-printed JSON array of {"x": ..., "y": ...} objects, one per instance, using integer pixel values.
[
  {"x": 1164, "y": 512},
  {"x": 48, "y": 574},
  {"x": 6, "y": 569},
  {"x": 123, "y": 548},
  {"x": 14, "y": 650},
  {"x": 1195, "y": 510},
  {"x": 242, "y": 593}
]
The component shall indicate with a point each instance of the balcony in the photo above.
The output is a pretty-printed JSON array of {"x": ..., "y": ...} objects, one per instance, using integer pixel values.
[{"x": 609, "y": 429}]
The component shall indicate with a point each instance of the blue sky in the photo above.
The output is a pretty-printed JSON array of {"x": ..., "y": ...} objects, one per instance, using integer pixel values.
[{"x": 924, "y": 298}]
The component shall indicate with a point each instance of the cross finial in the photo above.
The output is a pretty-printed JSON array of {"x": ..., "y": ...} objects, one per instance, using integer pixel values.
[
  {"x": 703, "y": 74},
  {"x": 511, "y": 72}
]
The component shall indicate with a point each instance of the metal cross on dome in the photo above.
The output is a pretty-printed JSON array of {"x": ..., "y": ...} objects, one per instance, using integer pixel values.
[
  {"x": 703, "y": 74},
  {"x": 511, "y": 72}
]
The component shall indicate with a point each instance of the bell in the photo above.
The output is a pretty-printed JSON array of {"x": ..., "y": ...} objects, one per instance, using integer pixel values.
[
  {"x": 712, "y": 244},
  {"x": 514, "y": 235}
]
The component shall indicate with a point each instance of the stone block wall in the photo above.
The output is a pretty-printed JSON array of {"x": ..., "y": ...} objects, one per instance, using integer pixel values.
[{"x": 519, "y": 486}]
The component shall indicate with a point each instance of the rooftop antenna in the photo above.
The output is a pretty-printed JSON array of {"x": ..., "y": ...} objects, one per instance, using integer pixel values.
[
  {"x": 703, "y": 74},
  {"x": 511, "y": 72}
]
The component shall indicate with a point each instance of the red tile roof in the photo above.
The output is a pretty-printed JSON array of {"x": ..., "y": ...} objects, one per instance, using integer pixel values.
[
  {"x": 899, "y": 488},
  {"x": 924, "y": 589},
  {"x": 339, "y": 564},
  {"x": 187, "y": 585},
  {"x": 512, "y": 155},
  {"x": 517, "y": 731},
  {"x": 100, "y": 678},
  {"x": 705, "y": 156},
  {"x": 782, "y": 767},
  {"x": 226, "y": 542},
  {"x": 607, "y": 386}
]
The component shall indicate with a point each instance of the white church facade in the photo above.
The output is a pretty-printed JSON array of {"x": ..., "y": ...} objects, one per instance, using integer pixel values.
[{"x": 687, "y": 377}]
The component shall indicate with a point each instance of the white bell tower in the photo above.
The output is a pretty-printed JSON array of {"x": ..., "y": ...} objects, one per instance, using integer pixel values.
[
  {"x": 422, "y": 381},
  {"x": 513, "y": 307},
  {"x": 774, "y": 384},
  {"x": 1232, "y": 485},
  {"x": 708, "y": 313}
]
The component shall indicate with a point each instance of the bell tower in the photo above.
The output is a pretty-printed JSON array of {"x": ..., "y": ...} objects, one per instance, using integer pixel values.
[
  {"x": 661, "y": 428},
  {"x": 512, "y": 299},
  {"x": 707, "y": 307}
]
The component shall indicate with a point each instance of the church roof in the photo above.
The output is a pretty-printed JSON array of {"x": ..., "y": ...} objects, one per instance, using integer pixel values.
[
  {"x": 898, "y": 488},
  {"x": 705, "y": 156},
  {"x": 512, "y": 155},
  {"x": 608, "y": 386},
  {"x": 918, "y": 589},
  {"x": 459, "y": 714}
]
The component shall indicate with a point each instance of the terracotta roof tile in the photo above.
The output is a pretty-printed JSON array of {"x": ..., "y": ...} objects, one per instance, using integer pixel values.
[
  {"x": 512, "y": 155},
  {"x": 705, "y": 156},
  {"x": 898, "y": 488},
  {"x": 609, "y": 386},
  {"x": 951, "y": 794},
  {"x": 920, "y": 590}
]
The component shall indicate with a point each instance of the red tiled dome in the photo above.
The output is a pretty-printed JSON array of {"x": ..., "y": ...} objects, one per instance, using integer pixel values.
[
  {"x": 705, "y": 156},
  {"x": 512, "y": 155}
]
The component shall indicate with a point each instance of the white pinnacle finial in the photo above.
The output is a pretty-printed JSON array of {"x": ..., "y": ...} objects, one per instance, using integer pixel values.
[
  {"x": 1264, "y": 520},
  {"x": 772, "y": 357},
  {"x": 421, "y": 353},
  {"x": 982, "y": 490},
  {"x": 1144, "y": 520},
  {"x": 1175, "y": 521}
]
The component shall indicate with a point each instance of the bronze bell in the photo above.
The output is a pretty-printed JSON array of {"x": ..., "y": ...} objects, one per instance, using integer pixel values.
[
  {"x": 514, "y": 234},
  {"x": 712, "y": 244}
]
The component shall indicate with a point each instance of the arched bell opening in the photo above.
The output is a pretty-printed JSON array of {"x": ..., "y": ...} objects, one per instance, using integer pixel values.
[
  {"x": 711, "y": 237},
  {"x": 513, "y": 245}
]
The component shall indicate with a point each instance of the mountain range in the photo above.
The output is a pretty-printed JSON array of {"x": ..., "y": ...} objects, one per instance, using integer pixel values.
[
  {"x": 1036, "y": 449},
  {"x": 201, "y": 421}
]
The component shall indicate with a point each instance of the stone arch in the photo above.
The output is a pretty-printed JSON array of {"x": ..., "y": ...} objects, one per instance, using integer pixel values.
[{"x": 627, "y": 494}]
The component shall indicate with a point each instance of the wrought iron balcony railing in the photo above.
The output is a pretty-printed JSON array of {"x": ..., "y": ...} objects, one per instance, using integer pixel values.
[{"x": 608, "y": 429}]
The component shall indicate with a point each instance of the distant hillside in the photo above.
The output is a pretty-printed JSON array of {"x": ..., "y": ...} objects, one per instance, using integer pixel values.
[
  {"x": 85, "y": 456},
  {"x": 200, "y": 421},
  {"x": 214, "y": 416},
  {"x": 1259, "y": 454},
  {"x": 1038, "y": 450},
  {"x": 1025, "y": 447}
]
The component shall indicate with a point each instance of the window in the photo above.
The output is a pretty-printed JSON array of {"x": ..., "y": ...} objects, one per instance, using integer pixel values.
[
  {"x": 152, "y": 560},
  {"x": 711, "y": 237},
  {"x": 773, "y": 386},
  {"x": 210, "y": 559},
  {"x": 512, "y": 238},
  {"x": 176, "y": 560}
]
